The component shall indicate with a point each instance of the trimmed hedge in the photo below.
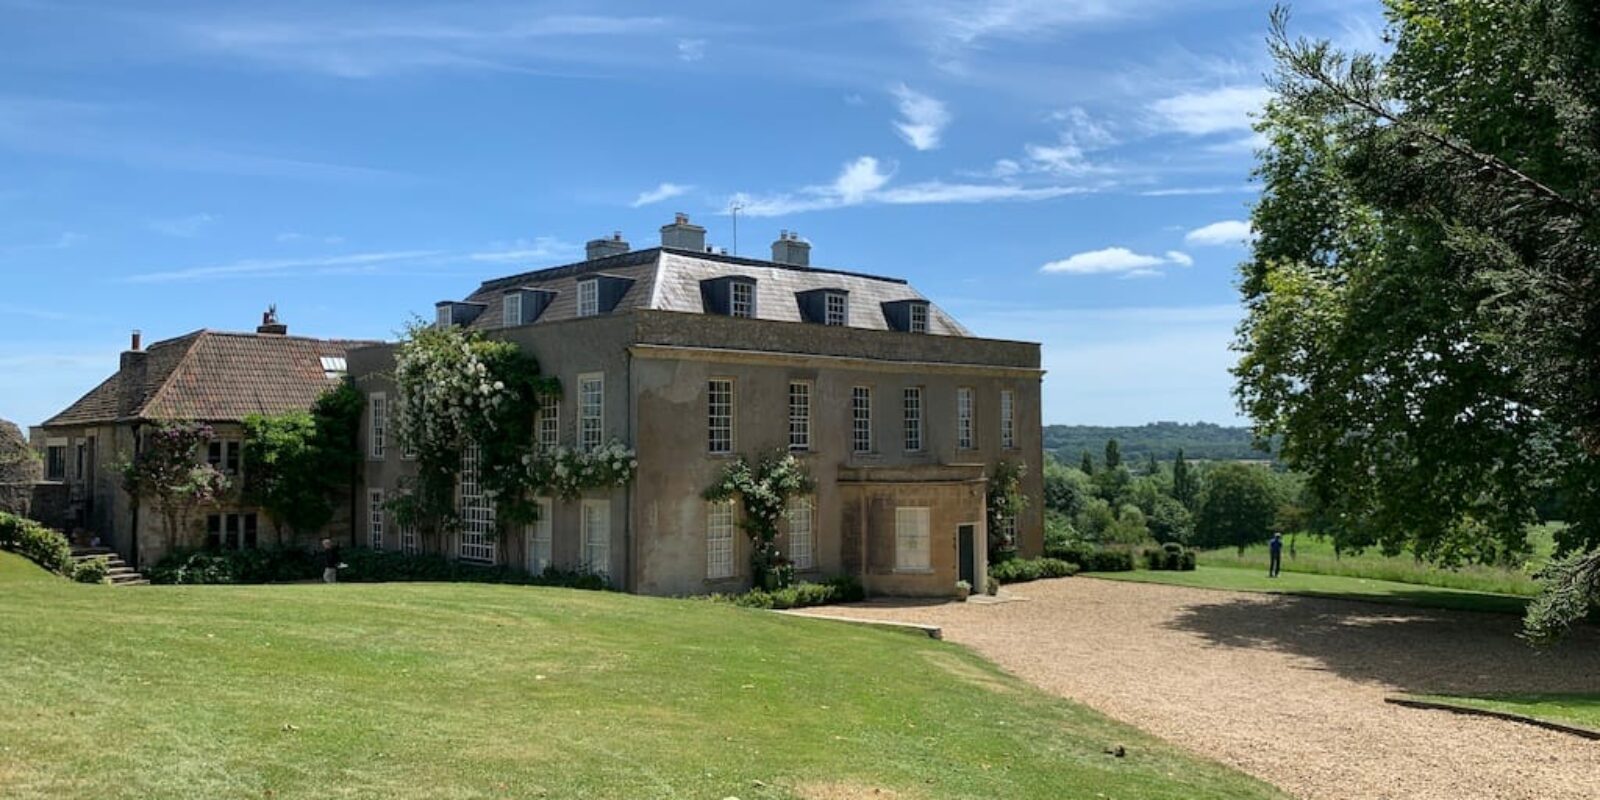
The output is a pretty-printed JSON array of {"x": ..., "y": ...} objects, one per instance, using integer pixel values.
[
  {"x": 92, "y": 570},
  {"x": 1093, "y": 559},
  {"x": 1022, "y": 570},
  {"x": 363, "y": 566},
  {"x": 1170, "y": 557},
  {"x": 799, "y": 595},
  {"x": 35, "y": 542}
]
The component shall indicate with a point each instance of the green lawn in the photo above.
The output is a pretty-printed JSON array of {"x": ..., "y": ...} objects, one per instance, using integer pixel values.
[
  {"x": 477, "y": 691},
  {"x": 1335, "y": 586},
  {"x": 1316, "y": 555},
  {"x": 1582, "y": 710}
]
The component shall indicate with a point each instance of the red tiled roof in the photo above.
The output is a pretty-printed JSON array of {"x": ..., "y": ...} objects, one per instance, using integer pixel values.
[{"x": 217, "y": 377}]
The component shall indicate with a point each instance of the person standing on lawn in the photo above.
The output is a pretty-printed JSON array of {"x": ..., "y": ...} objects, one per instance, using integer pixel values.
[
  {"x": 330, "y": 561},
  {"x": 1275, "y": 548}
]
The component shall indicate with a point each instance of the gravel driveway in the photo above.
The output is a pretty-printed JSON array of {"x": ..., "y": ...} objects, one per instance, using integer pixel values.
[{"x": 1290, "y": 689}]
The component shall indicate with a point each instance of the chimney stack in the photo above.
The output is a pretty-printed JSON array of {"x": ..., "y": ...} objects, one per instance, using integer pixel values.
[
  {"x": 605, "y": 248},
  {"x": 683, "y": 235},
  {"x": 137, "y": 341},
  {"x": 791, "y": 249},
  {"x": 131, "y": 376},
  {"x": 270, "y": 324}
]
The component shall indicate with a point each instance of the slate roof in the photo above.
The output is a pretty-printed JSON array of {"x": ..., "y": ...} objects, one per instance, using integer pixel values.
[
  {"x": 668, "y": 279},
  {"x": 216, "y": 376}
]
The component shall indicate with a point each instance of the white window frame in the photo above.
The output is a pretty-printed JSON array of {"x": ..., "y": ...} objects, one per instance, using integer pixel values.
[
  {"x": 861, "y": 419},
  {"x": 475, "y": 542},
  {"x": 720, "y": 562},
  {"x": 964, "y": 414},
  {"x": 720, "y": 426},
  {"x": 443, "y": 316},
  {"x": 375, "y": 518},
  {"x": 799, "y": 416},
  {"x": 511, "y": 309},
  {"x": 539, "y": 535},
  {"x": 591, "y": 410},
  {"x": 589, "y": 297},
  {"x": 1008, "y": 421},
  {"x": 408, "y": 540},
  {"x": 911, "y": 404},
  {"x": 917, "y": 318},
  {"x": 801, "y": 516},
  {"x": 748, "y": 302},
  {"x": 595, "y": 526},
  {"x": 839, "y": 316},
  {"x": 377, "y": 425},
  {"x": 549, "y": 422},
  {"x": 913, "y": 550}
]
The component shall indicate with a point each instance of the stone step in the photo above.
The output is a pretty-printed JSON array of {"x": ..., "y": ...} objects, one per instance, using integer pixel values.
[{"x": 127, "y": 578}]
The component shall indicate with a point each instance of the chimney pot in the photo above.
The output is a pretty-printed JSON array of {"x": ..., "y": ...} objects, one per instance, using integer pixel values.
[
  {"x": 137, "y": 340},
  {"x": 270, "y": 324},
  {"x": 605, "y": 248},
  {"x": 683, "y": 235},
  {"x": 791, "y": 249}
]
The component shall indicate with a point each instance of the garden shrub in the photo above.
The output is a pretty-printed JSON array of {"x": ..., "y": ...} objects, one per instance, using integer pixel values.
[
  {"x": 91, "y": 570},
  {"x": 1023, "y": 570},
  {"x": 363, "y": 566},
  {"x": 798, "y": 595},
  {"x": 1170, "y": 556},
  {"x": 1093, "y": 559},
  {"x": 35, "y": 542},
  {"x": 271, "y": 565}
]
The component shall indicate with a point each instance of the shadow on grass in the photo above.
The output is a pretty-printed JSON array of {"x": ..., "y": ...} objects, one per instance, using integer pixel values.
[{"x": 1418, "y": 650}]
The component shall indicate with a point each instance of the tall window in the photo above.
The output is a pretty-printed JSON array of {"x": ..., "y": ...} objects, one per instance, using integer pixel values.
[
  {"x": 719, "y": 540},
  {"x": 802, "y": 543},
  {"x": 477, "y": 509},
  {"x": 596, "y": 525},
  {"x": 224, "y": 455},
  {"x": 719, "y": 407},
  {"x": 588, "y": 297},
  {"x": 539, "y": 538},
  {"x": 917, "y": 321},
  {"x": 375, "y": 519},
  {"x": 1008, "y": 426},
  {"x": 549, "y": 422},
  {"x": 408, "y": 540},
  {"x": 442, "y": 317},
  {"x": 231, "y": 531},
  {"x": 913, "y": 418},
  {"x": 861, "y": 419},
  {"x": 1007, "y": 525},
  {"x": 964, "y": 418},
  {"x": 55, "y": 461},
  {"x": 591, "y": 410},
  {"x": 512, "y": 309},
  {"x": 836, "y": 309},
  {"x": 82, "y": 457},
  {"x": 911, "y": 549},
  {"x": 378, "y": 412},
  {"x": 799, "y": 415},
  {"x": 741, "y": 299}
]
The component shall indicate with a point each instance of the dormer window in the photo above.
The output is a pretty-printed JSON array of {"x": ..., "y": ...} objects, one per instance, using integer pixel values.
[
  {"x": 443, "y": 318},
  {"x": 836, "y": 310},
  {"x": 741, "y": 299},
  {"x": 917, "y": 321},
  {"x": 511, "y": 309},
  {"x": 588, "y": 297}
]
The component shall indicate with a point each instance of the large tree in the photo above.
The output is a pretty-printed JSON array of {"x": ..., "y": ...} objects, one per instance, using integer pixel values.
[
  {"x": 1238, "y": 509},
  {"x": 1423, "y": 298}
]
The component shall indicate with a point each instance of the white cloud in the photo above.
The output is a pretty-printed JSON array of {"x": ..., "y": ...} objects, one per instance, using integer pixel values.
[
  {"x": 691, "y": 49},
  {"x": 1220, "y": 234},
  {"x": 260, "y": 267},
  {"x": 1112, "y": 260},
  {"x": 291, "y": 237},
  {"x": 922, "y": 118},
  {"x": 664, "y": 191},
  {"x": 543, "y": 248},
  {"x": 183, "y": 227},
  {"x": 941, "y": 192},
  {"x": 1215, "y": 111},
  {"x": 1079, "y": 135},
  {"x": 859, "y": 179},
  {"x": 865, "y": 181}
]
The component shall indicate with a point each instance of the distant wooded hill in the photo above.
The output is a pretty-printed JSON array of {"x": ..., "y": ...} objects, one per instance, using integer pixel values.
[{"x": 1199, "y": 440}]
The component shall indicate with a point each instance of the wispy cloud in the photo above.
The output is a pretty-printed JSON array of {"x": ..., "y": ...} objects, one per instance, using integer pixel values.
[
  {"x": 292, "y": 237},
  {"x": 1115, "y": 260},
  {"x": 1216, "y": 111},
  {"x": 270, "y": 267},
  {"x": 1078, "y": 136},
  {"x": 543, "y": 248},
  {"x": 865, "y": 181},
  {"x": 62, "y": 241},
  {"x": 691, "y": 49},
  {"x": 922, "y": 118},
  {"x": 663, "y": 191},
  {"x": 183, "y": 227},
  {"x": 32, "y": 312},
  {"x": 1220, "y": 234}
]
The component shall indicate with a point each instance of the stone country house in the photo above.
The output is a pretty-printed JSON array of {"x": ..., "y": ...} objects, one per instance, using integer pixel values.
[
  {"x": 207, "y": 376},
  {"x": 693, "y": 357}
]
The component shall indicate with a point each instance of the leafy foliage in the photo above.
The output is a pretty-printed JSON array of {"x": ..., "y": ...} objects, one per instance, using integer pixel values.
[
  {"x": 170, "y": 471},
  {"x": 1022, "y": 570},
  {"x": 1163, "y": 440},
  {"x": 800, "y": 595},
  {"x": 41, "y": 545},
  {"x": 764, "y": 488},
  {"x": 565, "y": 472},
  {"x": 1006, "y": 502},
  {"x": 298, "y": 464},
  {"x": 1238, "y": 509}
]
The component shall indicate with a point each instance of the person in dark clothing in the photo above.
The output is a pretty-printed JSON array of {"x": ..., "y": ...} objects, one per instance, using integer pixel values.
[
  {"x": 330, "y": 561},
  {"x": 1275, "y": 548}
]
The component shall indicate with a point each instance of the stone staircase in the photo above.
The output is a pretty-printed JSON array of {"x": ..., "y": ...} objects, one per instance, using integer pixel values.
[{"x": 118, "y": 572}]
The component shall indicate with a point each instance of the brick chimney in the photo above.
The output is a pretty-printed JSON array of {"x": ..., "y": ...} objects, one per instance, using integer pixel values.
[
  {"x": 605, "y": 248},
  {"x": 131, "y": 376},
  {"x": 683, "y": 235},
  {"x": 269, "y": 323},
  {"x": 791, "y": 249}
]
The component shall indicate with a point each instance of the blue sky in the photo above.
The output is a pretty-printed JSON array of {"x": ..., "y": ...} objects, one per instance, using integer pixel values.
[{"x": 1072, "y": 172}]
